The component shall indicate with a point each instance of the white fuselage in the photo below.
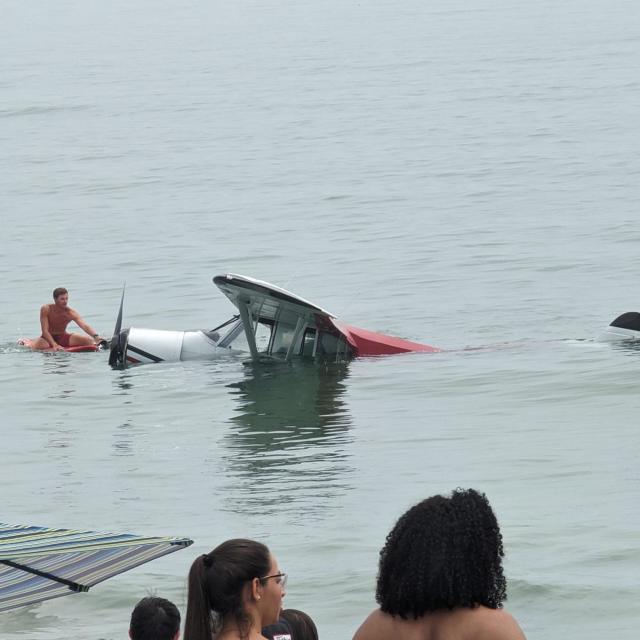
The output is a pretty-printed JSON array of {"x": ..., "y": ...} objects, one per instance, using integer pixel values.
[{"x": 154, "y": 345}]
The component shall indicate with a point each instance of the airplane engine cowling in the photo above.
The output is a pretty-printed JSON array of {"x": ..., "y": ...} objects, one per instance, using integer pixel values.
[
  {"x": 197, "y": 345},
  {"x": 154, "y": 345}
]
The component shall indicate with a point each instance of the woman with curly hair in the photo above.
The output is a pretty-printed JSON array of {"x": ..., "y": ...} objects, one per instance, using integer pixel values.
[
  {"x": 440, "y": 575},
  {"x": 233, "y": 591}
]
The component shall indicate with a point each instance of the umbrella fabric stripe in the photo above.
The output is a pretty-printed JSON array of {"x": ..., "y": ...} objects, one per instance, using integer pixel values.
[
  {"x": 10, "y": 554},
  {"x": 91, "y": 569},
  {"x": 74, "y": 586},
  {"x": 40, "y": 551},
  {"x": 88, "y": 572},
  {"x": 82, "y": 557},
  {"x": 45, "y": 535},
  {"x": 19, "y": 531},
  {"x": 30, "y": 598},
  {"x": 38, "y": 540},
  {"x": 33, "y": 596},
  {"x": 53, "y": 556}
]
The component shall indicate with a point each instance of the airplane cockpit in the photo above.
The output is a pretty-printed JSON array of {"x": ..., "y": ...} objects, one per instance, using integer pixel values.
[{"x": 283, "y": 340}]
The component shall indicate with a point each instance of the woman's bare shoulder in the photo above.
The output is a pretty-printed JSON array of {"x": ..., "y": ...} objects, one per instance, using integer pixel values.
[
  {"x": 492, "y": 624},
  {"x": 480, "y": 623},
  {"x": 373, "y": 626}
]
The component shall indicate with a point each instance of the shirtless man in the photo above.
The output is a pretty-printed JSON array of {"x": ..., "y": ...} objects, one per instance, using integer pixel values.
[{"x": 54, "y": 319}]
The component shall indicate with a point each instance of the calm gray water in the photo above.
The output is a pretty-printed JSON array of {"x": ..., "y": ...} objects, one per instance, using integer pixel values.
[{"x": 459, "y": 173}]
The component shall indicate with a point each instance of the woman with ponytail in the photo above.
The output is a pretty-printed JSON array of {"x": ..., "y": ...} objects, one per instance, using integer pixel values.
[{"x": 234, "y": 591}]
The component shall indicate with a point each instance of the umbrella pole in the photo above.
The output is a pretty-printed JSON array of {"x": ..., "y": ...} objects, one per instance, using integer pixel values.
[{"x": 74, "y": 586}]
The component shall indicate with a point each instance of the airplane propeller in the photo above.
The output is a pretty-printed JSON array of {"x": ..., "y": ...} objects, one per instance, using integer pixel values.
[{"x": 116, "y": 349}]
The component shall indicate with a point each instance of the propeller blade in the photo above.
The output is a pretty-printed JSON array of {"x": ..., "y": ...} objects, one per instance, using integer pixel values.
[
  {"x": 116, "y": 331},
  {"x": 115, "y": 349}
]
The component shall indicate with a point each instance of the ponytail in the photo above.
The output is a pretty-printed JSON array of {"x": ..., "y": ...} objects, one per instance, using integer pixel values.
[{"x": 197, "y": 624}]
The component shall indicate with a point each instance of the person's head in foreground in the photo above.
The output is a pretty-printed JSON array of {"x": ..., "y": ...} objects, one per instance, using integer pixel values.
[
  {"x": 440, "y": 573},
  {"x": 233, "y": 591},
  {"x": 155, "y": 619},
  {"x": 442, "y": 553},
  {"x": 292, "y": 625},
  {"x": 301, "y": 625}
]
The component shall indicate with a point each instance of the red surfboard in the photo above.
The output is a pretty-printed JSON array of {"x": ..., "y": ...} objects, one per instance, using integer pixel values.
[{"x": 28, "y": 342}]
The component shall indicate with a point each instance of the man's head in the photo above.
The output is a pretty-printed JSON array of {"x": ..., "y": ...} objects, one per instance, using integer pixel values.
[
  {"x": 155, "y": 619},
  {"x": 61, "y": 296}
]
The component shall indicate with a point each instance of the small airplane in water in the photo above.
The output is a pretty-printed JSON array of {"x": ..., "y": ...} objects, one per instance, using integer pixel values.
[{"x": 271, "y": 324}]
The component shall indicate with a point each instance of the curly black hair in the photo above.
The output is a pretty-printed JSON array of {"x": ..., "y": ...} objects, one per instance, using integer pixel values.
[{"x": 442, "y": 553}]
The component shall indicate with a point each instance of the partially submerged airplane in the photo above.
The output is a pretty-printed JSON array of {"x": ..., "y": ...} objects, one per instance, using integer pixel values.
[
  {"x": 275, "y": 324},
  {"x": 271, "y": 324}
]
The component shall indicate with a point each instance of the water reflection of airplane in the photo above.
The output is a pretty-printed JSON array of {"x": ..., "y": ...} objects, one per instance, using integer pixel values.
[
  {"x": 272, "y": 324},
  {"x": 290, "y": 432}
]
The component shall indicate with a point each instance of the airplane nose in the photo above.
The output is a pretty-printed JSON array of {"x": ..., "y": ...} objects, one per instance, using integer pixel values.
[{"x": 118, "y": 349}]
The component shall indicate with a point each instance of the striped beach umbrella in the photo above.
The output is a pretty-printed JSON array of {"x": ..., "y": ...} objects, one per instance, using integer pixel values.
[{"x": 37, "y": 563}]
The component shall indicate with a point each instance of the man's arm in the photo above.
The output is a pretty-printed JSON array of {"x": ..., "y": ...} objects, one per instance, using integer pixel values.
[
  {"x": 44, "y": 325},
  {"x": 85, "y": 327}
]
